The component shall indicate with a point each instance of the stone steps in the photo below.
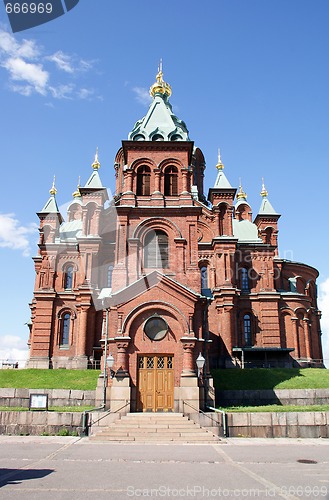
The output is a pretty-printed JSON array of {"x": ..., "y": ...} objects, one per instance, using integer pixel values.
[{"x": 155, "y": 428}]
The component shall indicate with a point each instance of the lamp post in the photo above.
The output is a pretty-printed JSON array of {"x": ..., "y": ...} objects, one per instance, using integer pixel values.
[
  {"x": 108, "y": 363},
  {"x": 200, "y": 362}
]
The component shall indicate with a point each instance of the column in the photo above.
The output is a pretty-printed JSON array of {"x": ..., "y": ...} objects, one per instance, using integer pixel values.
[
  {"x": 82, "y": 334},
  {"x": 295, "y": 336},
  {"x": 308, "y": 340},
  {"x": 188, "y": 357},
  {"x": 121, "y": 363}
]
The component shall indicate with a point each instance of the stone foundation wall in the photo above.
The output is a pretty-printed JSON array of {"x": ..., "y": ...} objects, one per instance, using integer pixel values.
[
  {"x": 36, "y": 423},
  {"x": 56, "y": 397},
  {"x": 267, "y": 425},
  {"x": 273, "y": 396},
  {"x": 264, "y": 425}
]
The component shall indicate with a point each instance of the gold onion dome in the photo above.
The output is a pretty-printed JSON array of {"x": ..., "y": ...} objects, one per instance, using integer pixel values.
[
  {"x": 160, "y": 87},
  {"x": 53, "y": 189},
  {"x": 241, "y": 194},
  {"x": 96, "y": 165},
  {"x": 77, "y": 193},
  {"x": 220, "y": 164},
  {"x": 263, "y": 192}
]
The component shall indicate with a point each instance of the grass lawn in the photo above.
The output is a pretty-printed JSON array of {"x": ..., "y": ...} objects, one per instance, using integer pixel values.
[
  {"x": 274, "y": 408},
  {"x": 49, "y": 379},
  {"x": 271, "y": 378}
]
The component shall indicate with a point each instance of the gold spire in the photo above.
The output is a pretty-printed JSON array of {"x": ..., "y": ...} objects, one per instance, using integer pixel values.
[
  {"x": 96, "y": 165},
  {"x": 263, "y": 192},
  {"x": 220, "y": 164},
  {"x": 77, "y": 193},
  {"x": 241, "y": 194},
  {"x": 53, "y": 189},
  {"x": 160, "y": 86}
]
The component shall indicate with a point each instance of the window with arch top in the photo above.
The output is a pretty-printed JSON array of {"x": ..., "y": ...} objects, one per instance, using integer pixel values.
[
  {"x": 109, "y": 276},
  {"x": 204, "y": 277},
  {"x": 156, "y": 251},
  {"x": 65, "y": 329},
  {"x": 171, "y": 181},
  {"x": 68, "y": 277},
  {"x": 247, "y": 330},
  {"x": 245, "y": 287},
  {"x": 143, "y": 181}
]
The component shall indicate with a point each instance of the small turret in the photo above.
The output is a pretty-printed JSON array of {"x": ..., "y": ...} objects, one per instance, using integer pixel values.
[
  {"x": 267, "y": 220},
  {"x": 50, "y": 218},
  {"x": 242, "y": 207}
]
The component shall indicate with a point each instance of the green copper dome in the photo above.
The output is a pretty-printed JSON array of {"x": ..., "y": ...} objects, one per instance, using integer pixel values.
[{"x": 160, "y": 123}]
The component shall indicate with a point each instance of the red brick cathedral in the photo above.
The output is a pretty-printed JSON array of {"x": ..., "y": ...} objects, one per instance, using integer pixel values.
[{"x": 160, "y": 274}]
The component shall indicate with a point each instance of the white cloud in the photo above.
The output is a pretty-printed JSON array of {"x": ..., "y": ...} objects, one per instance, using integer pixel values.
[
  {"x": 142, "y": 95},
  {"x": 62, "y": 91},
  {"x": 30, "y": 74},
  {"x": 62, "y": 61},
  {"x": 10, "y": 47},
  {"x": 33, "y": 74},
  {"x": 13, "y": 349},
  {"x": 69, "y": 63},
  {"x": 15, "y": 236},
  {"x": 85, "y": 93},
  {"x": 323, "y": 303}
]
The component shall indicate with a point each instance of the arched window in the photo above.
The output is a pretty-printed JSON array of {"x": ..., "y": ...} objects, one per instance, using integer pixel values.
[
  {"x": 156, "y": 250},
  {"x": 143, "y": 181},
  {"x": 68, "y": 278},
  {"x": 204, "y": 277},
  {"x": 157, "y": 137},
  {"x": 247, "y": 333},
  {"x": 109, "y": 276},
  {"x": 268, "y": 235},
  {"x": 65, "y": 330},
  {"x": 171, "y": 181},
  {"x": 244, "y": 280}
]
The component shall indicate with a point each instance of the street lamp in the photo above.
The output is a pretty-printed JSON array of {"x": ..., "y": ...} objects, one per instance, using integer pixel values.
[
  {"x": 110, "y": 363},
  {"x": 200, "y": 361}
]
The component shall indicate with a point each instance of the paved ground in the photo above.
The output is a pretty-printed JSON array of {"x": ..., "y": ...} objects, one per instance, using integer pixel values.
[{"x": 38, "y": 468}]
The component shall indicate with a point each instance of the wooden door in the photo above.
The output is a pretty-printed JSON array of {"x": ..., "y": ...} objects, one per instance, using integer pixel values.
[{"x": 155, "y": 383}]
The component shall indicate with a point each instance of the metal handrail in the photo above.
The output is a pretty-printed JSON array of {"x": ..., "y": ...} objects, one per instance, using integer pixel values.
[
  {"x": 224, "y": 418},
  {"x": 203, "y": 413},
  {"x": 87, "y": 425}
]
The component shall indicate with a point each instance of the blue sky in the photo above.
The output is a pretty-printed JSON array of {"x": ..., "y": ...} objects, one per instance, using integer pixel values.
[{"x": 250, "y": 77}]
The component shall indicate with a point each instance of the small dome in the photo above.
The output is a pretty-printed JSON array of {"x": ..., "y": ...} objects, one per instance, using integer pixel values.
[{"x": 160, "y": 87}]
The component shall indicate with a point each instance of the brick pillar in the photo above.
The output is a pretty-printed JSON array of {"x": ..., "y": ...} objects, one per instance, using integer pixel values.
[
  {"x": 82, "y": 335},
  {"x": 157, "y": 173},
  {"x": 308, "y": 340},
  {"x": 121, "y": 363},
  {"x": 295, "y": 336},
  {"x": 188, "y": 357}
]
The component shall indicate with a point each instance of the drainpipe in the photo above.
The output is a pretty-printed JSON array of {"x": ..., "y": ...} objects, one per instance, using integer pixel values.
[{"x": 105, "y": 355}]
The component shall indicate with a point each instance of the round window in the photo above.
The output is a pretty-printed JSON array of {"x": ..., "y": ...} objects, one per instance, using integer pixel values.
[{"x": 156, "y": 328}]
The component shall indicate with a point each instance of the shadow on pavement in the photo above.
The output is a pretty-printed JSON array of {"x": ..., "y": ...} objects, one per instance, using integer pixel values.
[{"x": 17, "y": 476}]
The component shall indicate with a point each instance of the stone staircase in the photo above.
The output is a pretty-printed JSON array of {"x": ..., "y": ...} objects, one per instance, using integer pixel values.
[{"x": 159, "y": 428}]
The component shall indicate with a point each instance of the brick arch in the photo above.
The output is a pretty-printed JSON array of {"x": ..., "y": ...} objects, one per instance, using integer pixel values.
[
  {"x": 75, "y": 208},
  {"x": 154, "y": 223},
  {"x": 142, "y": 161},
  {"x": 286, "y": 327},
  {"x": 66, "y": 310},
  {"x": 301, "y": 310},
  {"x": 151, "y": 307},
  {"x": 170, "y": 162},
  {"x": 205, "y": 232}
]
